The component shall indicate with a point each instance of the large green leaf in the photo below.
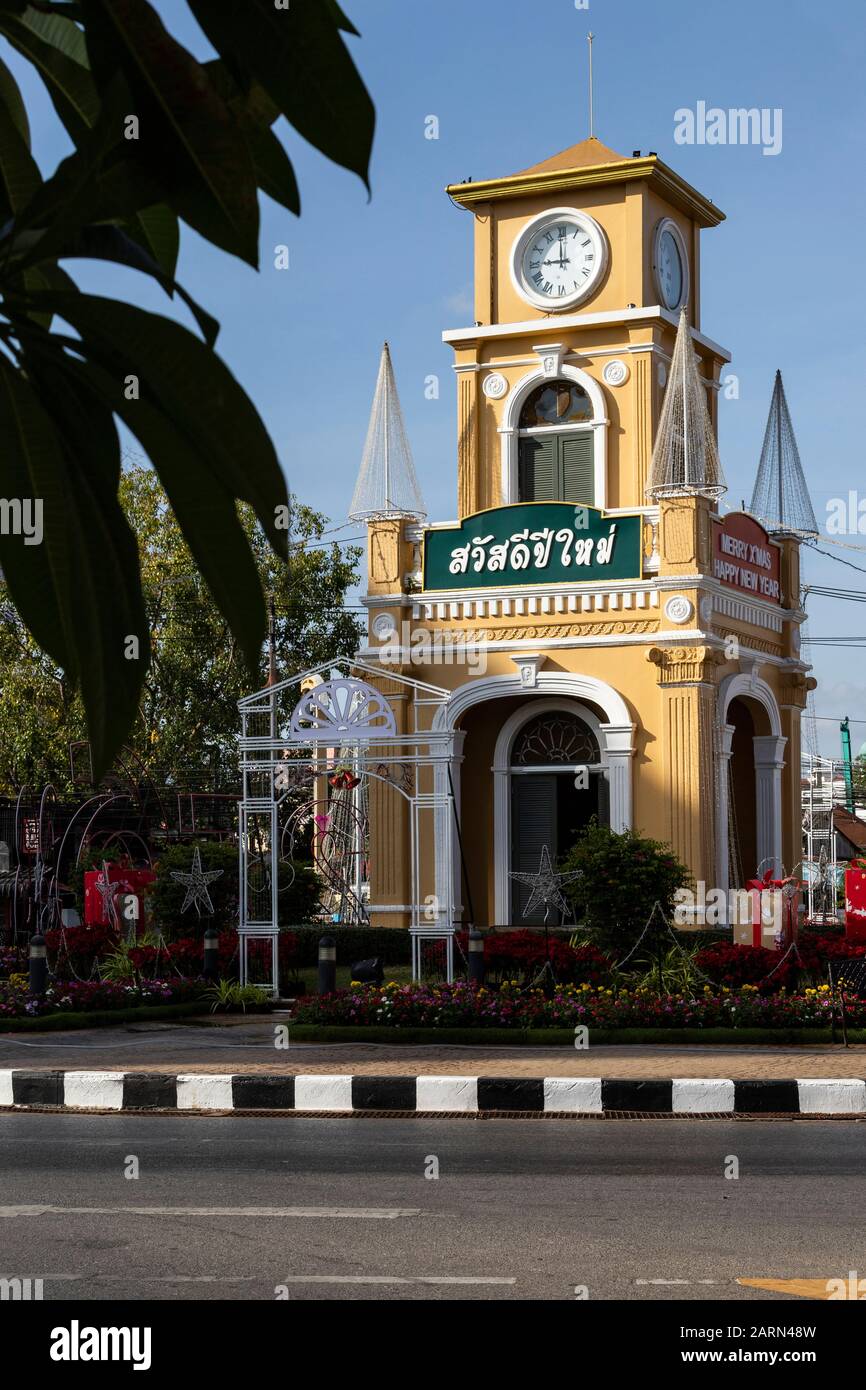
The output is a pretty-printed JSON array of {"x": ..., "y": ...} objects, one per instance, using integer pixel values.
[
  {"x": 341, "y": 20},
  {"x": 299, "y": 57},
  {"x": 10, "y": 96},
  {"x": 57, "y": 49},
  {"x": 108, "y": 243},
  {"x": 204, "y": 509},
  {"x": 40, "y": 576},
  {"x": 108, "y": 605},
  {"x": 156, "y": 229},
  {"x": 187, "y": 136},
  {"x": 19, "y": 174},
  {"x": 94, "y": 184},
  {"x": 255, "y": 112},
  {"x": 185, "y": 381}
]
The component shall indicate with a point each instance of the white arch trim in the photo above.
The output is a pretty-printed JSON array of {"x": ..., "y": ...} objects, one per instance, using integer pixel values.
[
  {"x": 509, "y": 428},
  {"x": 615, "y": 736},
  {"x": 751, "y": 687},
  {"x": 769, "y": 751}
]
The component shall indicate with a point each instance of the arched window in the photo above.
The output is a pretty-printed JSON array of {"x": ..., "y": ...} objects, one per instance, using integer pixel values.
[
  {"x": 554, "y": 740},
  {"x": 556, "y": 454}
]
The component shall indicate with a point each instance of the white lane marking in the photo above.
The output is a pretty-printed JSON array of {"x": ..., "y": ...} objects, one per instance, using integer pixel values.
[
  {"x": 390, "y": 1279},
  {"x": 679, "y": 1281},
  {"x": 360, "y": 1213}
]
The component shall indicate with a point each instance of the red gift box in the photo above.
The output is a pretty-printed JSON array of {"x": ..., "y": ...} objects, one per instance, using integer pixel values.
[
  {"x": 124, "y": 882},
  {"x": 855, "y": 899},
  {"x": 775, "y": 913}
]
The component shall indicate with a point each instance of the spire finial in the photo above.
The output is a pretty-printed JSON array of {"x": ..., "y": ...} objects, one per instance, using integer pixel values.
[
  {"x": 781, "y": 497},
  {"x": 387, "y": 485},
  {"x": 685, "y": 455},
  {"x": 589, "y": 38}
]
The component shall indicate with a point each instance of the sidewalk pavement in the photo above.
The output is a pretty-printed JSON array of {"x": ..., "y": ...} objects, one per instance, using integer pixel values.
[{"x": 246, "y": 1045}]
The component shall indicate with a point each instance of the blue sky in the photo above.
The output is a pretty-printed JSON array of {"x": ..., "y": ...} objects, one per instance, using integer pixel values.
[{"x": 782, "y": 281}]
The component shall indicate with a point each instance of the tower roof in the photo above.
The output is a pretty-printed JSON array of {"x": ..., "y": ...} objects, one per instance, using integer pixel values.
[
  {"x": 685, "y": 456},
  {"x": 781, "y": 497},
  {"x": 585, "y": 155},
  {"x": 387, "y": 485},
  {"x": 591, "y": 162}
]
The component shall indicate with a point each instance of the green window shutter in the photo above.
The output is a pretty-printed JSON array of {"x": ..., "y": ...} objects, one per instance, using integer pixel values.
[
  {"x": 577, "y": 461},
  {"x": 533, "y": 825},
  {"x": 537, "y": 469}
]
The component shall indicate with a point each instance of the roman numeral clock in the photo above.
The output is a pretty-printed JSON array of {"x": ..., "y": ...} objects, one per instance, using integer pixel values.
[{"x": 558, "y": 259}]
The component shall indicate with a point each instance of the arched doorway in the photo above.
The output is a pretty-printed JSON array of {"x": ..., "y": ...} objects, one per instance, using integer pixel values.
[
  {"x": 558, "y": 783},
  {"x": 749, "y": 836}
]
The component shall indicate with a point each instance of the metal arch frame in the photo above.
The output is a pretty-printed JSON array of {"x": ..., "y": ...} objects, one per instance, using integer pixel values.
[{"x": 262, "y": 755}]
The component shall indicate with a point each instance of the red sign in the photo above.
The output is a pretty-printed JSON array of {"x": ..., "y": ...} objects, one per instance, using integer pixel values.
[{"x": 745, "y": 559}]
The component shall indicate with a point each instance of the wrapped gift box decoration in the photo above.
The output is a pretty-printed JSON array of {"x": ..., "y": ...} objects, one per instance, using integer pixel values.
[
  {"x": 855, "y": 899},
  {"x": 124, "y": 882},
  {"x": 775, "y": 913}
]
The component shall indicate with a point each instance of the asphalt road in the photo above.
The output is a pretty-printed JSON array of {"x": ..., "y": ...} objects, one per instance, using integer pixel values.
[{"x": 234, "y": 1208}]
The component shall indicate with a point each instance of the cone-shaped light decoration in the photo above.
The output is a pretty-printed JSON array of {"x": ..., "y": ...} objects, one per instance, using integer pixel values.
[
  {"x": 386, "y": 486},
  {"x": 685, "y": 456},
  {"x": 781, "y": 498}
]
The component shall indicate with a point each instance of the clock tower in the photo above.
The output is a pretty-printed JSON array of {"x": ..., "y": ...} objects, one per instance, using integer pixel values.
[
  {"x": 583, "y": 262},
  {"x": 602, "y": 640}
]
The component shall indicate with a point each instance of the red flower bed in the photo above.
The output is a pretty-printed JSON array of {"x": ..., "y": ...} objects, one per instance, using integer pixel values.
[
  {"x": 523, "y": 953},
  {"x": 727, "y": 964}
]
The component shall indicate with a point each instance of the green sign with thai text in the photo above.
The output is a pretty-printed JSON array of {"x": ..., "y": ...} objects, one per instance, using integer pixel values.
[{"x": 533, "y": 543}]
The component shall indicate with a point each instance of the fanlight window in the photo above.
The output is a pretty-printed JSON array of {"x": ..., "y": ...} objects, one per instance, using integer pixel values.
[
  {"x": 554, "y": 740},
  {"x": 556, "y": 403}
]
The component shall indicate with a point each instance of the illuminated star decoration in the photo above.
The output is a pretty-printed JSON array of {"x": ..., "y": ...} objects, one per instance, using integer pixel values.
[
  {"x": 196, "y": 882},
  {"x": 545, "y": 885}
]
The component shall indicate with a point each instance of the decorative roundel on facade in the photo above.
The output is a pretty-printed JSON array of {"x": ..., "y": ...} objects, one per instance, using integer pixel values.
[
  {"x": 662, "y": 374},
  {"x": 616, "y": 373},
  {"x": 384, "y": 626},
  {"x": 707, "y": 609},
  {"x": 679, "y": 609},
  {"x": 494, "y": 386}
]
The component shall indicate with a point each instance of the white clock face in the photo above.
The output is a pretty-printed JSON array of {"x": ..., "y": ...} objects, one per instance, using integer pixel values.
[
  {"x": 558, "y": 258},
  {"x": 671, "y": 267},
  {"x": 670, "y": 271}
]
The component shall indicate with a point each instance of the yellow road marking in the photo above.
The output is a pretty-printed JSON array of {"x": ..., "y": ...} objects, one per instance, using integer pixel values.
[{"x": 800, "y": 1288}]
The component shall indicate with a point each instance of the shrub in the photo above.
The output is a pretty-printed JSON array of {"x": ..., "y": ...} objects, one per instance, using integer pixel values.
[
  {"x": 298, "y": 898},
  {"x": 624, "y": 877}
]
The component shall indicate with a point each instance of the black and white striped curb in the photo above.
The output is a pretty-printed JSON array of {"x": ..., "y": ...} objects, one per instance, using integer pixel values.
[{"x": 117, "y": 1090}]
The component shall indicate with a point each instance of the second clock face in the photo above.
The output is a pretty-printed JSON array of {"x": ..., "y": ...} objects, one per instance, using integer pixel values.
[{"x": 558, "y": 258}]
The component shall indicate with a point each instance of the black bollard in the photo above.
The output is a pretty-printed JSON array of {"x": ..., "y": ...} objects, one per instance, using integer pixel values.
[
  {"x": 211, "y": 953},
  {"x": 327, "y": 965},
  {"x": 38, "y": 964},
  {"x": 476, "y": 957}
]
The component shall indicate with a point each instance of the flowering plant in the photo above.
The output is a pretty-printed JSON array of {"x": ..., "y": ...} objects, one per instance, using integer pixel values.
[{"x": 464, "y": 1005}]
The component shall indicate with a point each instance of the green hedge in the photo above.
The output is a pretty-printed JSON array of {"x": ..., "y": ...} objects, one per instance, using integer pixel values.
[
  {"x": 101, "y": 1018},
  {"x": 392, "y": 944},
  {"x": 564, "y": 1037}
]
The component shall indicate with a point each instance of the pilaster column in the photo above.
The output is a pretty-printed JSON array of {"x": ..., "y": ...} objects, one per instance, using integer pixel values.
[
  {"x": 619, "y": 751},
  {"x": 723, "y": 833},
  {"x": 448, "y": 867},
  {"x": 769, "y": 761},
  {"x": 687, "y": 753}
]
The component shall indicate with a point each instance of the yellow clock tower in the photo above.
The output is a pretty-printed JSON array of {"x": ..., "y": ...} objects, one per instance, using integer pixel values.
[{"x": 610, "y": 644}]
